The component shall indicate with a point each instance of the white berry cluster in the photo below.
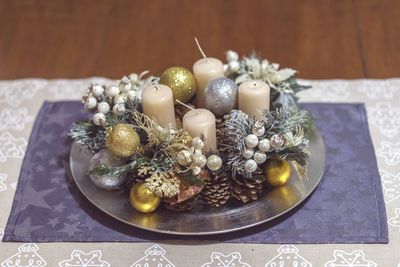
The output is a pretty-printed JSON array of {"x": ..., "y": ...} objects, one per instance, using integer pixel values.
[
  {"x": 257, "y": 147},
  {"x": 101, "y": 99},
  {"x": 233, "y": 64},
  {"x": 195, "y": 160}
]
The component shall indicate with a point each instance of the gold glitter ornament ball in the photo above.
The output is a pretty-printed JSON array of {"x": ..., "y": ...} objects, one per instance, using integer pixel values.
[
  {"x": 277, "y": 171},
  {"x": 181, "y": 81},
  {"x": 142, "y": 199},
  {"x": 122, "y": 140}
]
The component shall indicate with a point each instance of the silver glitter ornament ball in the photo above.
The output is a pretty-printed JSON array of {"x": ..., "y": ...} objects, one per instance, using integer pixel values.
[
  {"x": 107, "y": 182},
  {"x": 221, "y": 96}
]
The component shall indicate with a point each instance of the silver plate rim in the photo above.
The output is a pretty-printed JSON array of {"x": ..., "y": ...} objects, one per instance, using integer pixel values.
[{"x": 75, "y": 146}]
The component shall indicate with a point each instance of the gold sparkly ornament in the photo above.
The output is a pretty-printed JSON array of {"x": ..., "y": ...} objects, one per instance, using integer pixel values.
[
  {"x": 122, "y": 140},
  {"x": 277, "y": 171},
  {"x": 142, "y": 199},
  {"x": 181, "y": 81}
]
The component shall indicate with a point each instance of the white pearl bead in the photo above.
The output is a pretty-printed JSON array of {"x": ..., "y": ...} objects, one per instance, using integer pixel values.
[
  {"x": 234, "y": 66},
  {"x": 231, "y": 56},
  {"x": 196, "y": 170},
  {"x": 131, "y": 95},
  {"x": 120, "y": 99},
  {"x": 251, "y": 141},
  {"x": 99, "y": 119},
  {"x": 214, "y": 162},
  {"x": 276, "y": 141},
  {"x": 226, "y": 69},
  {"x": 119, "y": 109},
  {"x": 264, "y": 145},
  {"x": 199, "y": 160},
  {"x": 248, "y": 153},
  {"x": 112, "y": 91},
  {"x": 91, "y": 103},
  {"x": 97, "y": 90},
  {"x": 134, "y": 78},
  {"x": 258, "y": 130},
  {"x": 264, "y": 65},
  {"x": 103, "y": 107},
  {"x": 184, "y": 157},
  {"x": 197, "y": 143},
  {"x": 260, "y": 157},
  {"x": 125, "y": 84},
  {"x": 250, "y": 165}
]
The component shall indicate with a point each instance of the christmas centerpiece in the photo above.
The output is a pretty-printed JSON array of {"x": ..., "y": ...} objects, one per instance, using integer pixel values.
[{"x": 225, "y": 131}]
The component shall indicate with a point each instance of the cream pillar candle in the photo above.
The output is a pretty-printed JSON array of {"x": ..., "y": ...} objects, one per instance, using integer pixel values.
[
  {"x": 198, "y": 122},
  {"x": 254, "y": 97},
  {"x": 158, "y": 104},
  {"x": 205, "y": 70}
]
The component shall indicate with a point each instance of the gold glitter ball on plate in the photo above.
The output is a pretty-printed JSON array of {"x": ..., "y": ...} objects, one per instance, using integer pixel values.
[
  {"x": 181, "y": 81},
  {"x": 122, "y": 140},
  {"x": 142, "y": 199},
  {"x": 277, "y": 171}
]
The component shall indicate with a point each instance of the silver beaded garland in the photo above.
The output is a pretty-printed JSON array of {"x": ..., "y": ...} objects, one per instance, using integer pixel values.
[
  {"x": 221, "y": 96},
  {"x": 107, "y": 182}
]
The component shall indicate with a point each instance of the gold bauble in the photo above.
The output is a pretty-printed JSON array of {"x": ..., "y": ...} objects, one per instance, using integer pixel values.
[
  {"x": 277, "y": 171},
  {"x": 181, "y": 81},
  {"x": 142, "y": 199},
  {"x": 122, "y": 140}
]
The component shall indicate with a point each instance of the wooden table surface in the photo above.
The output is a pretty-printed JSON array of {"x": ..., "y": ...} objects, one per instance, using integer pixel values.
[{"x": 320, "y": 38}]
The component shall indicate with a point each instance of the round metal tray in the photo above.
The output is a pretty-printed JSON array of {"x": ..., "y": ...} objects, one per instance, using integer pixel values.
[{"x": 203, "y": 219}]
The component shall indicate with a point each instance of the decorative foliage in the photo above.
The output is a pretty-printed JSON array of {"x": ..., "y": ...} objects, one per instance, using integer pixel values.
[
  {"x": 170, "y": 163},
  {"x": 282, "y": 81}
]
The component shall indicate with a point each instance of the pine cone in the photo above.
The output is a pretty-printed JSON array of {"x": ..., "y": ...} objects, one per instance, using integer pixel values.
[
  {"x": 220, "y": 125},
  {"x": 217, "y": 189},
  {"x": 182, "y": 206},
  {"x": 247, "y": 189}
]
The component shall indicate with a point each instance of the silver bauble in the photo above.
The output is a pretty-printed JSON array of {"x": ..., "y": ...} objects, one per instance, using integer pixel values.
[
  {"x": 220, "y": 96},
  {"x": 107, "y": 182}
]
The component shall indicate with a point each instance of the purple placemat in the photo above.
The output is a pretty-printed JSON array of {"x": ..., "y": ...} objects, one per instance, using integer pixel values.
[{"x": 347, "y": 207}]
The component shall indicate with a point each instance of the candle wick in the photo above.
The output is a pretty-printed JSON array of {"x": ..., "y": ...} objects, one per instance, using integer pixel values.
[
  {"x": 255, "y": 84},
  {"x": 201, "y": 50},
  {"x": 156, "y": 88},
  {"x": 183, "y": 104}
]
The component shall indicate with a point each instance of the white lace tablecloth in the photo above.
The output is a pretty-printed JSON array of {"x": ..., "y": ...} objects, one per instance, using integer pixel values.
[{"x": 20, "y": 100}]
